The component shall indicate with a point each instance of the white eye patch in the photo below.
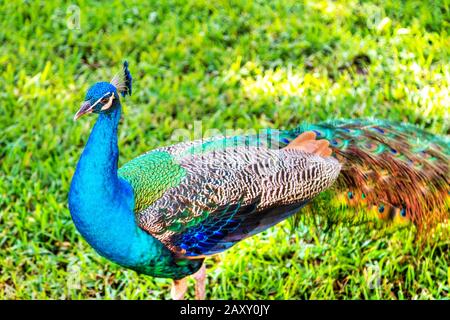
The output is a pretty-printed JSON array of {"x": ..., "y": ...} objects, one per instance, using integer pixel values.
[
  {"x": 96, "y": 102},
  {"x": 109, "y": 103}
]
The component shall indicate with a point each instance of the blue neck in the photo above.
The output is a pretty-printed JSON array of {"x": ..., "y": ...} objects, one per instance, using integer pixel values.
[
  {"x": 100, "y": 203},
  {"x": 102, "y": 208}
]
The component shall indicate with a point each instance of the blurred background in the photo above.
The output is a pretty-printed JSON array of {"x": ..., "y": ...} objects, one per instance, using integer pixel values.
[{"x": 229, "y": 64}]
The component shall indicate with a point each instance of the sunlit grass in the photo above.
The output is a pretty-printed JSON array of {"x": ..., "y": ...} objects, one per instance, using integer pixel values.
[{"x": 239, "y": 65}]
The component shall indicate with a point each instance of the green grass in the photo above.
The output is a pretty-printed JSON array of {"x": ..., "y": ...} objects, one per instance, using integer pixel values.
[{"x": 247, "y": 65}]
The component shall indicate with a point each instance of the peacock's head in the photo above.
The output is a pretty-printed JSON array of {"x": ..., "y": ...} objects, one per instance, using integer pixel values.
[{"x": 103, "y": 97}]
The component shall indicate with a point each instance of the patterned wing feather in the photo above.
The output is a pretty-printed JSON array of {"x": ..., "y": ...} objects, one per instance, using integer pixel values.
[
  {"x": 201, "y": 197},
  {"x": 151, "y": 175},
  {"x": 230, "y": 194}
]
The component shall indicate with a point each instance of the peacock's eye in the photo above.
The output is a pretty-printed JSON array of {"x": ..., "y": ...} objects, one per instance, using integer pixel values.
[{"x": 104, "y": 100}]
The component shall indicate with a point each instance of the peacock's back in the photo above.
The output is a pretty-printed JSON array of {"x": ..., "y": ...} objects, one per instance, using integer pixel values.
[
  {"x": 218, "y": 191},
  {"x": 201, "y": 197}
]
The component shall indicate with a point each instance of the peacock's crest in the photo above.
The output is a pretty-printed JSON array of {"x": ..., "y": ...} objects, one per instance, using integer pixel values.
[{"x": 123, "y": 81}]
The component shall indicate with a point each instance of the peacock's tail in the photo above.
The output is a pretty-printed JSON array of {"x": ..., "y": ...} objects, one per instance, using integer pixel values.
[{"x": 397, "y": 170}]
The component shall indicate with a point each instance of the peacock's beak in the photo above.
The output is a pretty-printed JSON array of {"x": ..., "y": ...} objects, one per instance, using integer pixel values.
[{"x": 85, "y": 108}]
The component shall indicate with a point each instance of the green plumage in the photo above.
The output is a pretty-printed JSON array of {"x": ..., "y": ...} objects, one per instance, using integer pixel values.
[{"x": 151, "y": 175}]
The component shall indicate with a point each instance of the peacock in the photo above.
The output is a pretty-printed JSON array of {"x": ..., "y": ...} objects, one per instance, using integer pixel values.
[{"x": 162, "y": 213}]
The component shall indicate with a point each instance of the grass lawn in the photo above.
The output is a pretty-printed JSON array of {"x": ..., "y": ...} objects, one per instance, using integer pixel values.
[{"x": 243, "y": 64}]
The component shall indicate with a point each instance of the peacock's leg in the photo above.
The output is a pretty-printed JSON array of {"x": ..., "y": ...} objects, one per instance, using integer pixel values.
[
  {"x": 179, "y": 288},
  {"x": 200, "y": 283}
]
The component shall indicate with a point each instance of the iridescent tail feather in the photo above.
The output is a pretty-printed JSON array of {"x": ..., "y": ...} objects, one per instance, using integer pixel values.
[{"x": 396, "y": 170}]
